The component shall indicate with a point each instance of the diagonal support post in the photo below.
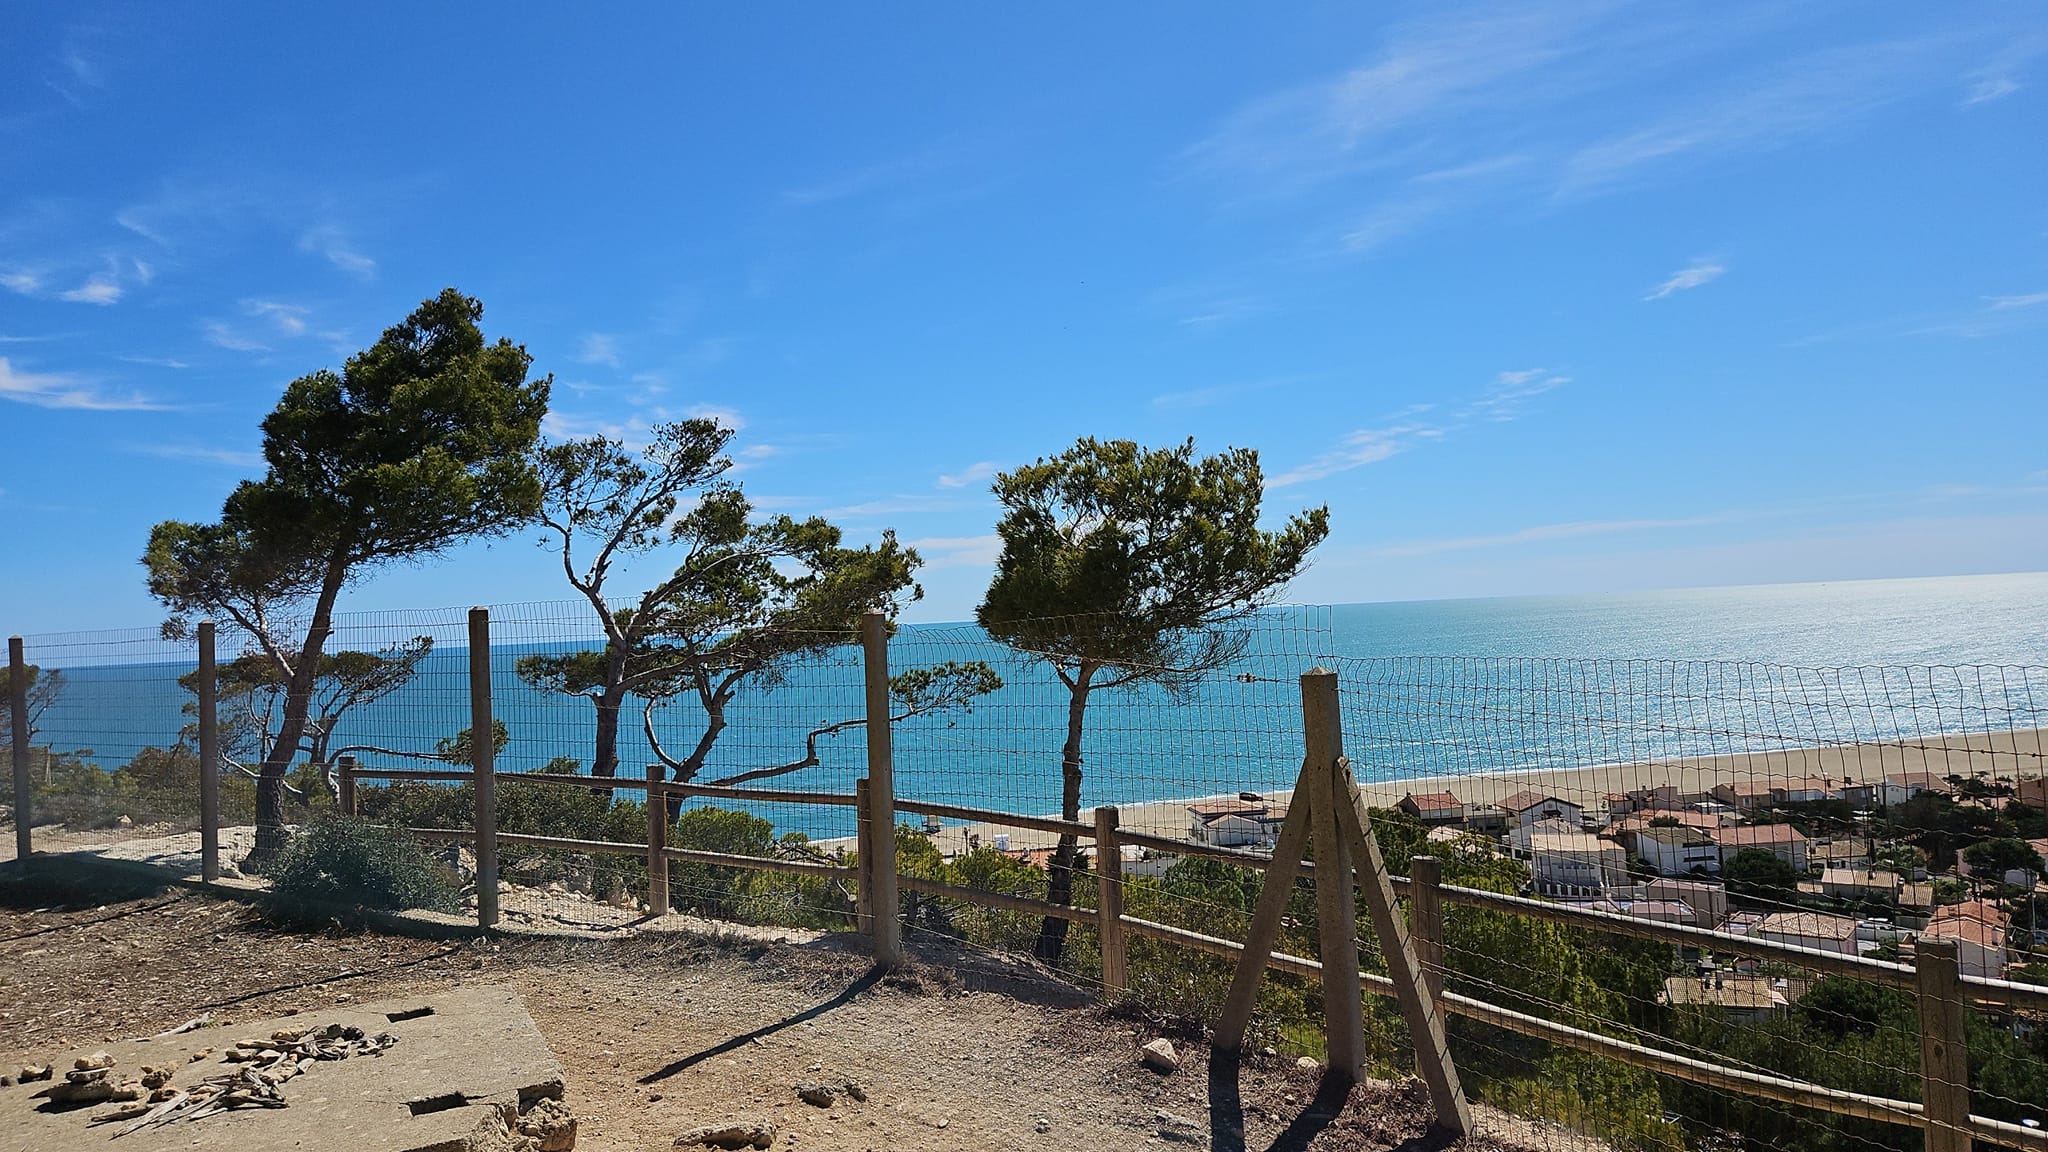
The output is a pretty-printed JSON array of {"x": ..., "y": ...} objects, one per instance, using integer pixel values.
[
  {"x": 1265, "y": 929},
  {"x": 1411, "y": 984}
]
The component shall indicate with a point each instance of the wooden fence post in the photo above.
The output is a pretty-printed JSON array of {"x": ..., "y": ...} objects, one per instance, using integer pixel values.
[
  {"x": 17, "y": 708},
  {"x": 1109, "y": 900},
  {"x": 657, "y": 844},
  {"x": 1336, "y": 896},
  {"x": 874, "y": 642},
  {"x": 1426, "y": 923},
  {"x": 209, "y": 756},
  {"x": 864, "y": 863},
  {"x": 1944, "y": 1049},
  {"x": 483, "y": 763},
  {"x": 345, "y": 784}
]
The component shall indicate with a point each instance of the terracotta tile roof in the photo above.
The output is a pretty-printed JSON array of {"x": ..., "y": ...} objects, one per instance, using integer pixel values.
[
  {"x": 1758, "y": 835},
  {"x": 1434, "y": 801},
  {"x": 1816, "y": 925}
]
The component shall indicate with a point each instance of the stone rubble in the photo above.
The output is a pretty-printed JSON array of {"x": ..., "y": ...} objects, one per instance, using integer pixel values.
[
  {"x": 265, "y": 1065},
  {"x": 733, "y": 1135}
]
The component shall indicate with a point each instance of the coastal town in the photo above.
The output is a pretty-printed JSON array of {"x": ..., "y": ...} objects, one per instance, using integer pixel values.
[{"x": 1858, "y": 868}]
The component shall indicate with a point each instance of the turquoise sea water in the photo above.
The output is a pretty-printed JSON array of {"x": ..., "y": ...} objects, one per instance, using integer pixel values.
[{"x": 1444, "y": 687}]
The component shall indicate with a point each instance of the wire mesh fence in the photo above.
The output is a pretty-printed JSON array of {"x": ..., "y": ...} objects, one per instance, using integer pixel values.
[{"x": 1854, "y": 812}]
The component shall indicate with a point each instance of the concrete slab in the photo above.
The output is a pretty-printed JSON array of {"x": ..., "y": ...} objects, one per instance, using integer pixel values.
[{"x": 466, "y": 1061}]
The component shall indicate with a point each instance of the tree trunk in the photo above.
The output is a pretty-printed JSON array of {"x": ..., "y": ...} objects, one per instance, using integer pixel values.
[
  {"x": 714, "y": 723},
  {"x": 298, "y": 704},
  {"x": 606, "y": 761},
  {"x": 1052, "y": 934}
]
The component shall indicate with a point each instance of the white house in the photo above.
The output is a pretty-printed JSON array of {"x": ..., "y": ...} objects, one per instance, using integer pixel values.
[
  {"x": 1526, "y": 808},
  {"x": 1564, "y": 861},
  {"x": 1809, "y": 790},
  {"x": 1820, "y": 930},
  {"x": 1979, "y": 930},
  {"x": 1678, "y": 851},
  {"x": 1781, "y": 840},
  {"x": 1899, "y": 787},
  {"x": 1235, "y": 823},
  {"x": 1709, "y": 902}
]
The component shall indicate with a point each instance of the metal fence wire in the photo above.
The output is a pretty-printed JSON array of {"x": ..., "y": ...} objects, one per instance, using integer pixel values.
[{"x": 1657, "y": 891}]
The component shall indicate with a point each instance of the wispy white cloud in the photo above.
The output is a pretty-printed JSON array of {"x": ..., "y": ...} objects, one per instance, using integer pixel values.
[
  {"x": 891, "y": 506},
  {"x": 155, "y": 361},
  {"x": 21, "y": 281},
  {"x": 327, "y": 240},
  {"x": 599, "y": 348},
  {"x": 66, "y": 390},
  {"x": 2030, "y": 300},
  {"x": 1691, "y": 276},
  {"x": 1800, "y": 97},
  {"x": 632, "y": 431},
  {"x": 289, "y": 319},
  {"x": 727, "y": 417},
  {"x": 221, "y": 335},
  {"x": 1542, "y": 533},
  {"x": 97, "y": 289},
  {"x": 1510, "y": 392},
  {"x": 958, "y": 551},
  {"x": 866, "y": 179},
  {"x": 1360, "y": 448},
  {"x": 1999, "y": 77},
  {"x": 226, "y": 457},
  {"x": 973, "y": 473},
  {"x": 1424, "y": 70},
  {"x": 1502, "y": 400}
]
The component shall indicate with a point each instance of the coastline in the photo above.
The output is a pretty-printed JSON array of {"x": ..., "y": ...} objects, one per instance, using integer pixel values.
[{"x": 2021, "y": 753}]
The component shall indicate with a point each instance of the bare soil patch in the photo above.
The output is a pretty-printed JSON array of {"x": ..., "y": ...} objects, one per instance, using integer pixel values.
[{"x": 661, "y": 1033}]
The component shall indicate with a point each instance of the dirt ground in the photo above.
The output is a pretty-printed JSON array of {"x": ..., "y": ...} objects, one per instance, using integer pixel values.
[{"x": 662, "y": 1034}]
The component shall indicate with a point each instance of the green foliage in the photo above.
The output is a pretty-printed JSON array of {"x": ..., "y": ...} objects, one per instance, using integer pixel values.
[
  {"x": 158, "y": 786},
  {"x": 457, "y": 749},
  {"x": 250, "y": 686},
  {"x": 748, "y": 599},
  {"x": 1131, "y": 565},
  {"x": 43, "y": 689},
  {"x": 345, "y": 861},
  {"x": 420, "y": 442},
  {"x": 1992, "y": 859},
  {"x": 1126, "y": 557},
  {"x": 1760, "y": 874}
]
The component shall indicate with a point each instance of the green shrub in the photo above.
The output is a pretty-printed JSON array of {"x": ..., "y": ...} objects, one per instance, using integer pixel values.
[{"x": 346, "y": 861}]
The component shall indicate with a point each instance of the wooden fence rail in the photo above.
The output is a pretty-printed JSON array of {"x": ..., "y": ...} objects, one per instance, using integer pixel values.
[{"x": 1942, "y": 994}]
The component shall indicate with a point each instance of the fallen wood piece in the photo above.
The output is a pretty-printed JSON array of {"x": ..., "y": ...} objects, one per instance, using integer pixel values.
[
  {"x": 192, "y": 1025},
  {"x": 154, "y": 1114}
]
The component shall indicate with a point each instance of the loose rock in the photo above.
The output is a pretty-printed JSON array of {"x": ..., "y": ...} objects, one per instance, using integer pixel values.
[
  {"x": 1177, "y": 1128},
  {"x": 551, "y": 1124},
  {"x": 1306, "y": 1064},
  {"x": 815, "y": 1093},
  {"x": 1160, "y": 1056},
  {"x": 30, "y": 1073},
  {"x": 737, "y": 1134}
]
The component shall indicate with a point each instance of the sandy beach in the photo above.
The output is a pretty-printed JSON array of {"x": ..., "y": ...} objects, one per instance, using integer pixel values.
[{"x": 2020, "y": 754}]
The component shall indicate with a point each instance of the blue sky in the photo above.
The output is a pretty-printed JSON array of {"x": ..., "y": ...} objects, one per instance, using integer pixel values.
[{"x": 1538, "y": 298}]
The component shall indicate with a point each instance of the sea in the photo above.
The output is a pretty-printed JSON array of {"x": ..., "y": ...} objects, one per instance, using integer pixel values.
[{"x": 1427, "y": 688}]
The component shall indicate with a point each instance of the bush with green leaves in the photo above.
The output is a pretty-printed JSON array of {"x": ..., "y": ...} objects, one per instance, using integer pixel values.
[{"x": 339, "y": 860}]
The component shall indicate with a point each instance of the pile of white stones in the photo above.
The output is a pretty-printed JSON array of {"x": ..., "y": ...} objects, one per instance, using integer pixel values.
[{"x": 265, "y": 1065}]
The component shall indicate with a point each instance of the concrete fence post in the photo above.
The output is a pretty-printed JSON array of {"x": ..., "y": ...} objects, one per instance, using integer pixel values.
[
  {"x": 483, "y": 762},
  {"x": 1336, "y": 891},
  {"x": 17, "y": 709},
  {"x": 1426, "y": 922},
  {"x": 345, "y": 784},
  {"x": 1109, "y": 901},
  {"x": 874, "y": 642},
  {"x": 1944, "y": 1047},
  {"x": 209, "y": 756},
  {"x": 657, "y": 843}
]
